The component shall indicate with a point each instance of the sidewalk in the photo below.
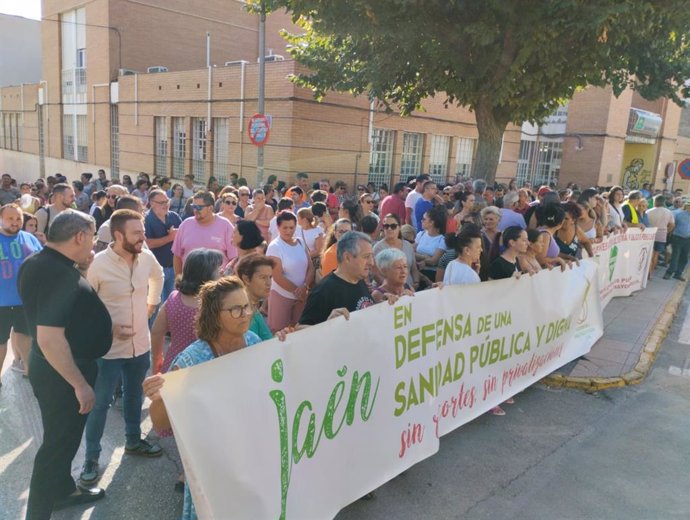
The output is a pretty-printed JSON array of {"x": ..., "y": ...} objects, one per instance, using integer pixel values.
[{"x": 634, "y": 327}]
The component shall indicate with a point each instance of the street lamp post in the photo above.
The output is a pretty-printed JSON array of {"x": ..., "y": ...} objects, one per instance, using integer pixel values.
[{"x": 262, "y": 79}]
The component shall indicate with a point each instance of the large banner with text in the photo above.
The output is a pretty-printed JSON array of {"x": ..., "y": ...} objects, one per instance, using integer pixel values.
[
  {"x": 301, "y": 428},
  {"x": 624, "y": 260}
]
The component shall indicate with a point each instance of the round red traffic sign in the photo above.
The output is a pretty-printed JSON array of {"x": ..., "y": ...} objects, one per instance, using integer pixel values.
[{"x": 259, "y": 129}]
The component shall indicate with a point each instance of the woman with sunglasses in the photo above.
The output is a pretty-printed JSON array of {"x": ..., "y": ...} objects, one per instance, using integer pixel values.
[
  {"x": 366, "y": 206},
  {"x": 222, "y": 328},
  {"x": 392, "y": 239},
  {"x": 228, "y": 206}
]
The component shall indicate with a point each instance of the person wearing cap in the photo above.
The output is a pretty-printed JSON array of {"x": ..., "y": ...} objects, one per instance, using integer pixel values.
[
  {"x": 412, "y": 198},
  {"x": 680, "y": 244}
]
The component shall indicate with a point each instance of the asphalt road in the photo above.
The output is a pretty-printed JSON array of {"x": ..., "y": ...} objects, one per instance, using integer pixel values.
[{"x": 557, "y": 454}]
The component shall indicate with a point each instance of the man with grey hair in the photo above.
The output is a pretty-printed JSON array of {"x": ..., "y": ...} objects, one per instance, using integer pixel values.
[
  {"x": 510, "y": 217},
  {"x": 58, "y": 301},
  {"x": 344, "y": 290}
]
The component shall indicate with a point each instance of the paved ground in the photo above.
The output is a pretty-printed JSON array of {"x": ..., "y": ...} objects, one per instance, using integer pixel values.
[{"x": 558, "y": 453}]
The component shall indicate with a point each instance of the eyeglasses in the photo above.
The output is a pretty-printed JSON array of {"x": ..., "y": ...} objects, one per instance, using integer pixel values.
[
  {"x": 368, "y": 202},
  {"x": 237, "y": 311},
  {"x": 199, "y": 207},
  {"x": 230, "y": 202},
  {"x": 390, "y": 226},
  {"x": 113, "y": 197},
  {"x": 161, "y": 202}
]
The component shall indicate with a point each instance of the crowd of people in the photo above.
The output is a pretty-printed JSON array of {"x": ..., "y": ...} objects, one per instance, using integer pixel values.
[{"x": 169, "y": 275}]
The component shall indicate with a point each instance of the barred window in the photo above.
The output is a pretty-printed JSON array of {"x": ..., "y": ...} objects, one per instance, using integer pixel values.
[
  {"x": 221, "y": 149},
  {"x": 464, "y": 158},
  {"x": 82, "y": 139},
  {"x": 438, "y": 157},
  {"x": 68, "y": 137},
  {"x": 199, "y": 149},
  {"x": 161, "y": 139},
  {"x": 380, "y": 156},
  {"x": 411, "y": 159},
  {"x": 179, "y": 147}
]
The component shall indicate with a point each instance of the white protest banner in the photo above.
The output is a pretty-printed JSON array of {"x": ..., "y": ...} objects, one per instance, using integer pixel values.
[
  {"x": 299, "y": 429},
  {"x": 624, "y": 260}
]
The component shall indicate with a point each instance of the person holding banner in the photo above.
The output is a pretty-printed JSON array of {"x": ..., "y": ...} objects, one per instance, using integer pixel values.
[
  {"x": 468, "y": 245},
  {"x": 392, "y": 263},
  {"x": 223, "y": 328},
  {"x": 507, "y": 265},
  {"x": 631, "y": 210}
]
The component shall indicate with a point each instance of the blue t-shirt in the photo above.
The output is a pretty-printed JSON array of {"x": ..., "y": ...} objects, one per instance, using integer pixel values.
[
  {"x": 13, "y": 251},
  {"x": 155, "y": 228},
  {"x": 421, "y": 207}
]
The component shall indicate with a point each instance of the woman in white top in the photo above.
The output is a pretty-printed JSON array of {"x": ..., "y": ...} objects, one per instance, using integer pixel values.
[
  {"x": 464, "y": 269},
  {"x": 309, "y": 232},
  {"x": 366, "y": 203},
  {"x": 293, "y": 274},
  {"x": 430, "y": 243},
  {"x": 616, "y": 196}
]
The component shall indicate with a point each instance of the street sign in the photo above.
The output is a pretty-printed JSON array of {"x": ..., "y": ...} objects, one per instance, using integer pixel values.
[
  {"x": 684, "y": 169},
  {"x": 259, "y": 129}
]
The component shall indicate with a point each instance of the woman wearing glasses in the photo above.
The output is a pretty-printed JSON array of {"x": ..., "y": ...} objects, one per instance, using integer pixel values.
[
  {"x": 222, "y": 328},
  {"x": 392, "y": 238},
  {"x": 228, "y": 206},
  {"x": 177, "y": 200},
  {"x": 366, "y": 205}
]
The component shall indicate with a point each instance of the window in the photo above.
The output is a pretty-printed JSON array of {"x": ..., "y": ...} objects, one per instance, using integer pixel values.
[
  {"x": 161, "y": 139},
  {"x": 68, "y": 137},
  {"x": 199, "y": 149},
  {"x": 380, "y": 156},
  {"x": 411, "y": 159},
  {"x": 11, "y": 131},
  {"x": 438, "y": 158},
  {"x": 464, "y": 157},
  {"x": 82, "y": 139},
  {"x": 539, "y": 162},
  {"x": 114, "y": 141},
  {"x": 179, "y": 147},
  {"x": 221, "y": 152},
  {"x": 73, "y": 49}
]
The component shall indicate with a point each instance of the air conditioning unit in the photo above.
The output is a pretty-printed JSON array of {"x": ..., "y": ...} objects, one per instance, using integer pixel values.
[
  {"x": 272, "y": 57},
  {"x": 236, "y": 62},
  {"x": 157, "y": 68},
  {"x": 127, "y": 72}
]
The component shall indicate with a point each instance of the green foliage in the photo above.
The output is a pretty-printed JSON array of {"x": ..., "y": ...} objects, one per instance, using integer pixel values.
[{"x": 513, "y": 60}]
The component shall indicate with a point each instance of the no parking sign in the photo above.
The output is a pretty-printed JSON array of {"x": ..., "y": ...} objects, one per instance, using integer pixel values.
[
  {"x": 259, "y": 129},
  {"x": 684, "y": 169}
]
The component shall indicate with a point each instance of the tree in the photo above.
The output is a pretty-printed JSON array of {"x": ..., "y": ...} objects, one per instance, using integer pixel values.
[{"x": 506, "y": 60}]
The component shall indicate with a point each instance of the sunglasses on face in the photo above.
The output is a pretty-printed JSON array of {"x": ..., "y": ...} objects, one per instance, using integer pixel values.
[
  {"x": 390, "y": 226},
  {"x": 113, "y": 197},
  {"x": 198, "y": 207},
  {"x": 230, "y": 202},
  {"x": 368, "y": 202}
]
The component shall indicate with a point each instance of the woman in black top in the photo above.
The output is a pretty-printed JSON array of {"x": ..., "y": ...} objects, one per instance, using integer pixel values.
[{"x": 507, "y": 264}]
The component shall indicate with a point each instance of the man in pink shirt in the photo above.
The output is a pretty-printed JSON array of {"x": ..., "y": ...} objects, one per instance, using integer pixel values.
[
  {"x": 395, "y": 202},
  {"x": 206, "y": 229}
]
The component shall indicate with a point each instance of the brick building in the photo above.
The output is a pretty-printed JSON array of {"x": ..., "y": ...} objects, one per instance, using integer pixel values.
[{"x": 126, "y": 88}]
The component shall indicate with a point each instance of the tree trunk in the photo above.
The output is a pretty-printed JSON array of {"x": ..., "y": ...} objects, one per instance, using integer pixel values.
[{"x": 489, "y": 144}]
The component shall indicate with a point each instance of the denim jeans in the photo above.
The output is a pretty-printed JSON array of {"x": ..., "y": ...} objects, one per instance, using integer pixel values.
[
  {"x": 168, "y": 287},
  {"x": 133, "y": 371}
]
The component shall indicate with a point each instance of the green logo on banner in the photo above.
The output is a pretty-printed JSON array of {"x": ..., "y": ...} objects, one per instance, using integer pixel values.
[{"x": 612, "y": 261}]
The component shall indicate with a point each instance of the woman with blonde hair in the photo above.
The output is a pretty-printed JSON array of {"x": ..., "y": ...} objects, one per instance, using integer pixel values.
[{"x": 309, "y": 232}]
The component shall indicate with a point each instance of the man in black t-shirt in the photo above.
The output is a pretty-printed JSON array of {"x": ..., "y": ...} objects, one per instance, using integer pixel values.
[
  {"x": 344, "y": 290},
  {"x": 58, "y": 301}
]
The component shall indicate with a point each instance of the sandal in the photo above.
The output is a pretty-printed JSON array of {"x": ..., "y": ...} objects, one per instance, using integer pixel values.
[
  {"x": 497, "y": 410},
  {"x": 510, "y": 400},
  {"x": 144, "y": 448}
]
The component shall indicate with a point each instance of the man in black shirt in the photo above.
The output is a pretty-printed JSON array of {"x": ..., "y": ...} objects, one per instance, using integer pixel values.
[
  {"x": 70, "y": 328},
  {"x": 344, "y": 290}
]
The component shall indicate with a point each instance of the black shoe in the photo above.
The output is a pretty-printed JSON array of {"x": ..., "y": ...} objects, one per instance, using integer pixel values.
[
  {"x": 79, "y": 497},
  {"x": 667, "y": 276},
  {"x": 679, "y": 277}
]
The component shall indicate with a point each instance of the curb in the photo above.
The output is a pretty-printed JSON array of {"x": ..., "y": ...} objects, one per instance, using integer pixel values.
[{"x": 652, "y": 344}]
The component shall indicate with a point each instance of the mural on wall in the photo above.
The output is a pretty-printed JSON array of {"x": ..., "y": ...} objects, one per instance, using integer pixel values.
[{"x": 638, "y": 161}]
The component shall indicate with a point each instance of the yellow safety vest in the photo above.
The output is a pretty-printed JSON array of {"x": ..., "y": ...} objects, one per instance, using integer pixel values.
[{"x": 633, "y": 213}]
